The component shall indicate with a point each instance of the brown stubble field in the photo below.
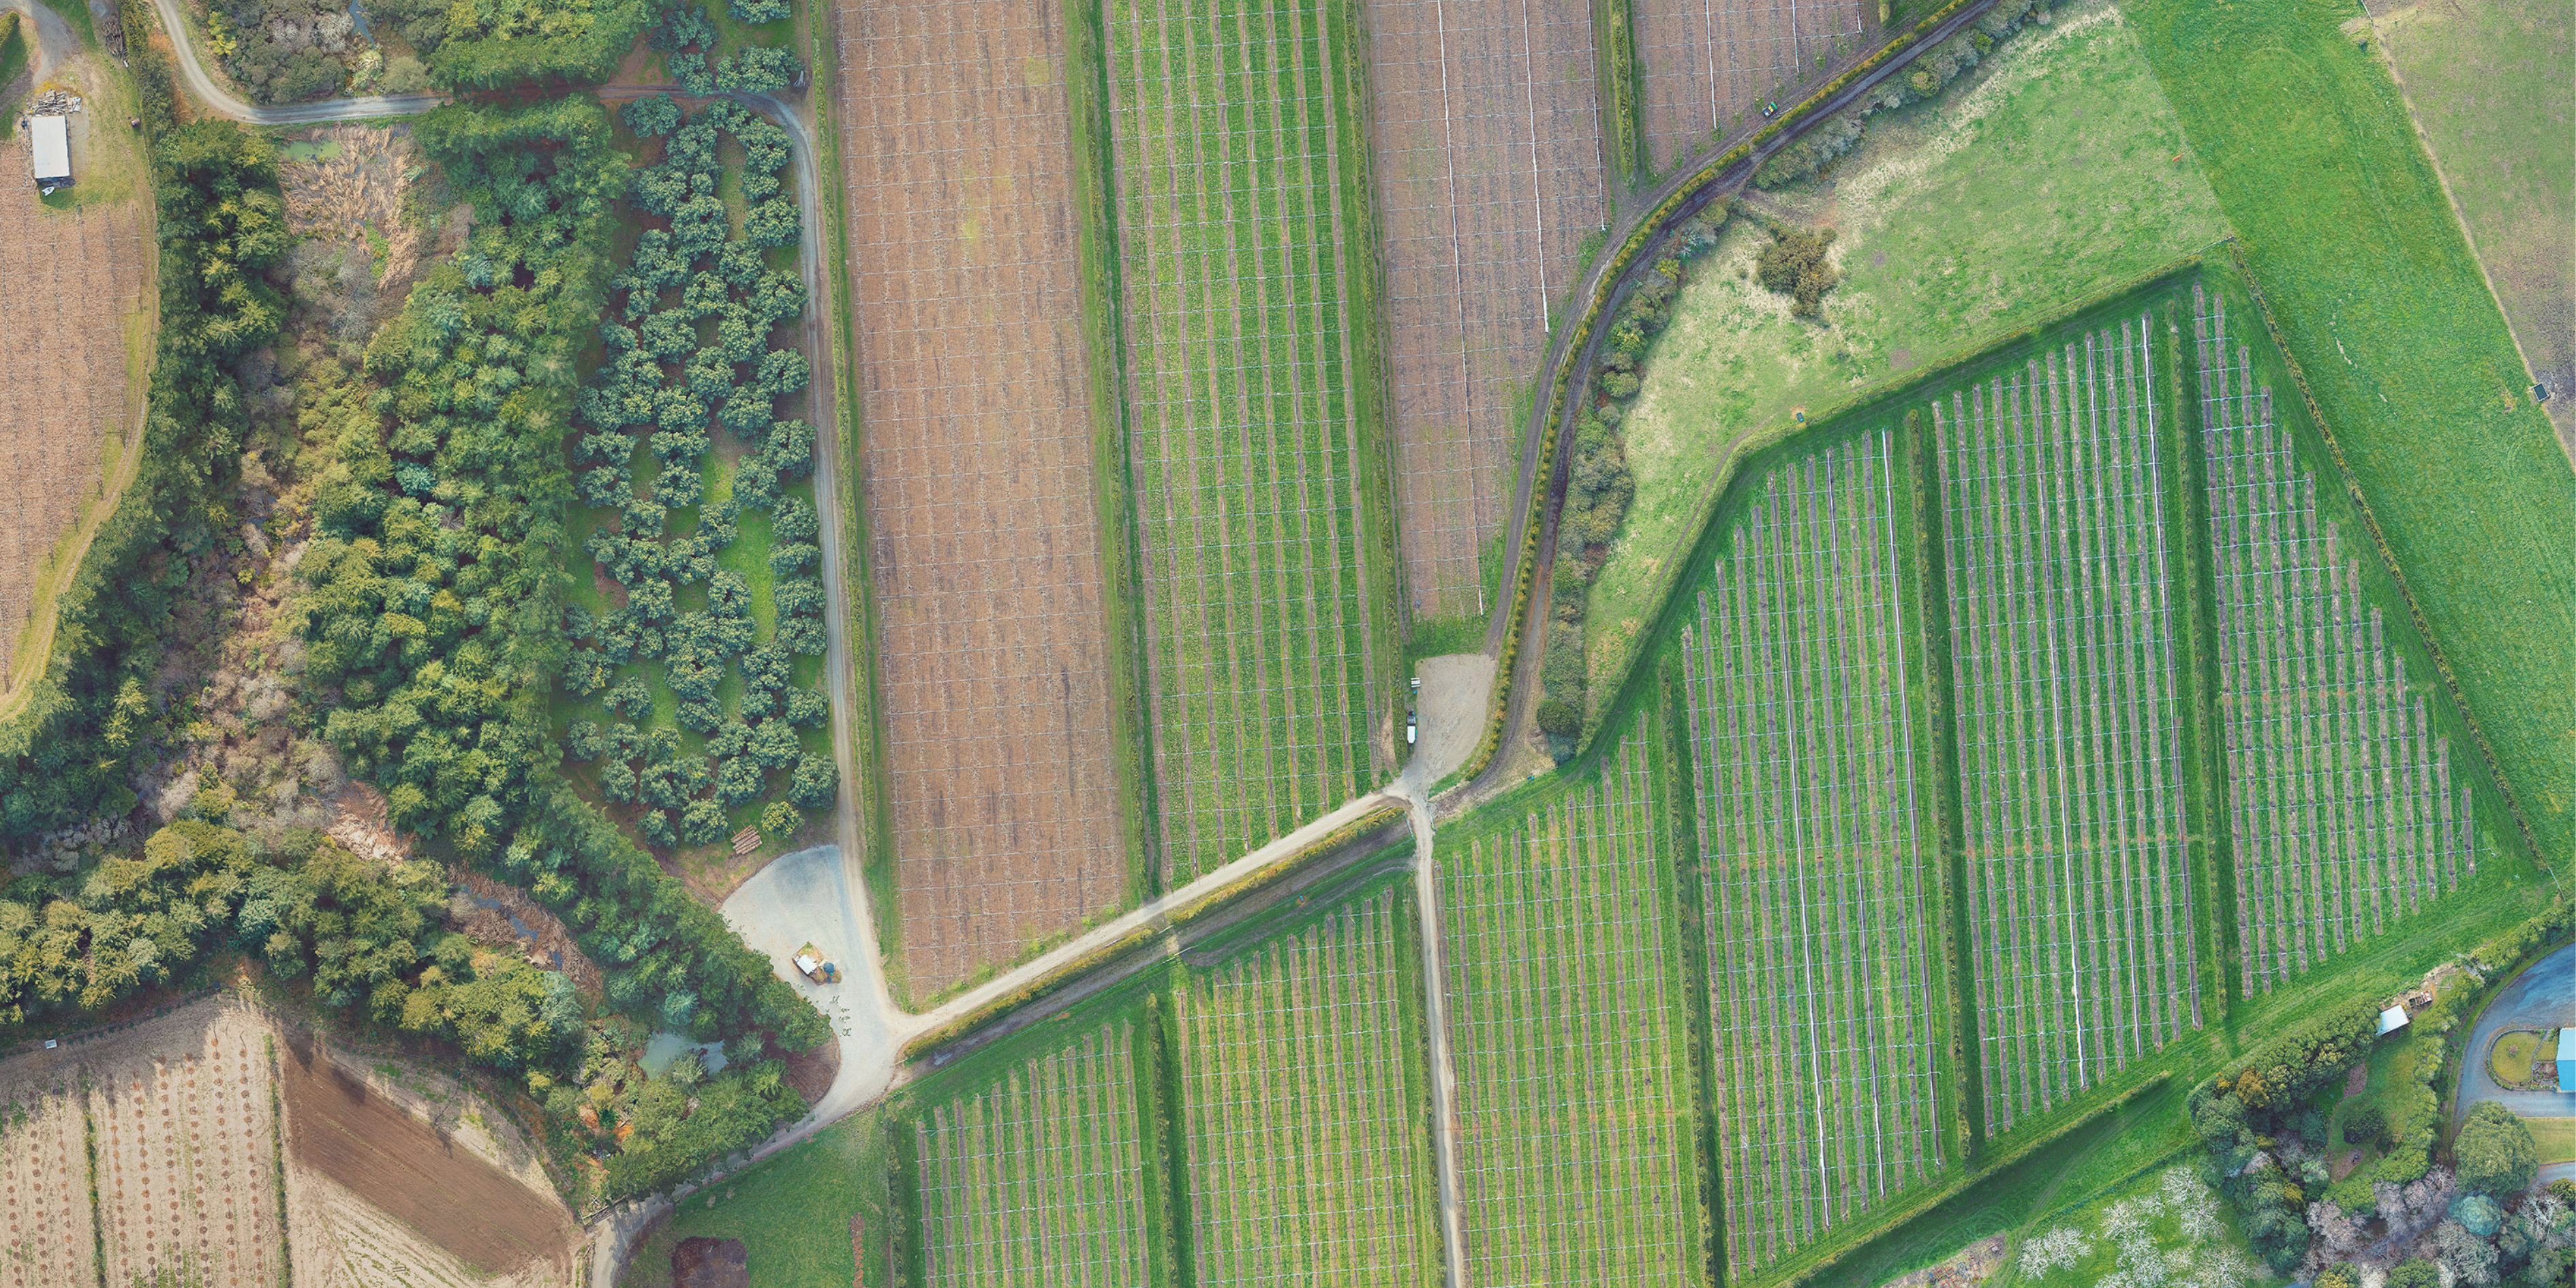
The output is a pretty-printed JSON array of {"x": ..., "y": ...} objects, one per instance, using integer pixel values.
[
  {"x": 978, "y": 478},
  {"x": 1707, "y": 63},
  {"x": 74, "y": 279},
  {"x": 1490, "y": 172}
]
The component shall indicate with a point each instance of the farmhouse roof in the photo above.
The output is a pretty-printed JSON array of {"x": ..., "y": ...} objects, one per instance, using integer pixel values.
[
  {"x": 2566, "y": 1061},
  {"x": 2392, "y": 1019},
  {"x": 53, "y": 148}
]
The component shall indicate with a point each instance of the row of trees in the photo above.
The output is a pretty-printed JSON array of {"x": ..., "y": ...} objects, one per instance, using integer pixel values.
[
  {"x": 1599, "y": 485},
  {"x": 691, "y": 348},
  {"x": 1933, "y": 69}
]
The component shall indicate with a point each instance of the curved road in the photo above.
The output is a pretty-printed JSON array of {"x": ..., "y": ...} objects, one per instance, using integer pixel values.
[
  {"x": 215, "y": 96},
  {"x": 1592, "y": 287},
  {"x": 2541, "y": 997}
]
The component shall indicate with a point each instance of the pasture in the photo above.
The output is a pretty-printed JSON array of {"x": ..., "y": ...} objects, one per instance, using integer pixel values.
[
  {"x": 1810, "y": 749},
  {"x": 1489, "y": 174},
  {"x": 2491, "y": 86},
  {"x": 1039, "y": 1177},
  {"x": 1304, "y": 1102},
  {"x": 67, "y": 331},
  {"x": 2068, "y": 661},
  {"x": 1709, "y": 65},
  {"x": 2045, "y": 176},
  {"x": 1579, "y": 1158},
  {"x": 1237, "y": 164},
  {"x": 984, "y": 547},
  {"x": 2345, "y": 813},
  {"x": 2381, "y": 305}
]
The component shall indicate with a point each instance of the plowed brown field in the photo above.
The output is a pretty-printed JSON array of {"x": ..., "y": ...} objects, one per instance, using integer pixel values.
[
  {"x": 1708, "y": 64},
  {"x": 1490, "y": 172},
  {"x": 69, "y": 280},
  {"x": 978, "y": 476},
  {"x": 455, "y": 1199}
]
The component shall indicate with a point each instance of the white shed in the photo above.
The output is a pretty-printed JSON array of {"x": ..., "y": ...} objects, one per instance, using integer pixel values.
[
  {"x": 2391, "y": 1020},
  {"x": 52, "y": 138}
]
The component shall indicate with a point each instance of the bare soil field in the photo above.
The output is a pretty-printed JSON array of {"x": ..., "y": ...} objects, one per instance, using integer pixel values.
[
  {"x": 1709, "y": 65},
  {"x": 1490, "y": 172},
  {"x": 390, "y": 1175},
  {"x": 186, "y": 1135},
  {"x": 979, "y": 479},
  {"x": 74, "y": 281}
]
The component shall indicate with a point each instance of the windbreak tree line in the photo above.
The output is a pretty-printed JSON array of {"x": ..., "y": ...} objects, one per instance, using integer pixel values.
[
  {"x": 69, "y": 752},
  {"x": 692, "y": 344}
]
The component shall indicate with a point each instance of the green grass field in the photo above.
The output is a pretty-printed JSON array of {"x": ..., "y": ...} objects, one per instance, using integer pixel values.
[
  {"x": 1038, "y": 1174},
  {"x": 1239, "y": 253},
  {"x": 1304, "y": 1106},
  {"x": 2556, "y": 1138},
  {"x": 803, "y": 1216},
  {"x": 2045, "y": 177},
  {"x": 1577, "y": 1117},
  {"x": 1811, "y": 756},
  {"x": 2309, "y": 150},
  {"x": 2509, "y": 172}
]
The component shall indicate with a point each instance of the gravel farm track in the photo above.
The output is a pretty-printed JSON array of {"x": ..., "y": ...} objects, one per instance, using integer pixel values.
[
  {"x": 1489, "y": 173},
  {"x": 1052, "y": 977}
]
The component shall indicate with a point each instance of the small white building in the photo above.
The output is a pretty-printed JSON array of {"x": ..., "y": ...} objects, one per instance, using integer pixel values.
[
  {"x": 52, "y": 138},
  {"x": 2391, "y": 1020}
]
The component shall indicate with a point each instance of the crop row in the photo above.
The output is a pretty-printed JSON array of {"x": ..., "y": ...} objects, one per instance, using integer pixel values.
[
  {"x": 1566, "y": 1002},
  {"x": 1828, "y": 1083},
  {"x": 2069, "y": 704},
  {"x": 1226, "y": 127},
  {"x": 2341, "y": 809},
  {"x": 1305, "y": 1142},
  {"x": 1040, "y": 1179}
]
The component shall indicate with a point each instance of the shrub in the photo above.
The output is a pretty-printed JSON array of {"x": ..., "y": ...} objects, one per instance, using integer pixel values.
[
  {"x": 758, "y": 69},
  {"x": 2338, "y": 1275},
  {"x": 2495, "y": 1152},
  {"x": 406, "y": 75},
  {"x": 2414, "y": 1272},
  {"x": 1798, "y": 264},
  {"x": 757, "y": 12},
  {"x": 2363, "y": 1125},
  {"x": 1558, "y": 719}
]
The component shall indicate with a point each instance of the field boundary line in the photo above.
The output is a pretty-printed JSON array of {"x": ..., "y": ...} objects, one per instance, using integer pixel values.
[{"x": 2388, "y": 556}]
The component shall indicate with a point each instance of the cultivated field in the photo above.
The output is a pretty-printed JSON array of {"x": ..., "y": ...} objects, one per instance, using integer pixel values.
[
  {"x": 390, "y": 1199},
  {"x": 985, "y": 544},
  {"x": 2069, "y": 688},
  {"x": 183, "y": 1111},
  {"x": 1708, "y": 65},
  {"x": 1230, "y": 136},
  {"x": 75, "y": 280},
  {"x": 2342, "y": 809},
  {"x": 44, "y": 1184},
  {"x": 1489, "y": 173},
  {"x": 1565, "y": 983},
  {"x": 1817, "y": 839},
  {"x": 1305, "y": 1105},
  {"x": 1041, "y": 1178}
]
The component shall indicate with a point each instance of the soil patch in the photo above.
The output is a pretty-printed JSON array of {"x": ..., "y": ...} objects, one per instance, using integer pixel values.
[
  {"x": 507, "y": 917},
  {"x": 710, "y": 1263},
  {"x": 461, "y": 1203},
  {"x": 810, "y": 1072}
]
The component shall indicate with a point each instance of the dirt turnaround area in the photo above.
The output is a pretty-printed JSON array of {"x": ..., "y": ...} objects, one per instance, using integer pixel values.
[
  {"x": 71, "y": 283},
  {"x": 365, "y": 1143},
  {"x": 1709, "y": 65},
  {"x": 979, "y": 481},
  {"x": 1490, "y": 172}
]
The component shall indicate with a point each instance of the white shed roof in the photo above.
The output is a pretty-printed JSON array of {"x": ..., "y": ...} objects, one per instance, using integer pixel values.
[
  {"x": 53, "y": 148},
  {"x": 2392, "y": 1019}
]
